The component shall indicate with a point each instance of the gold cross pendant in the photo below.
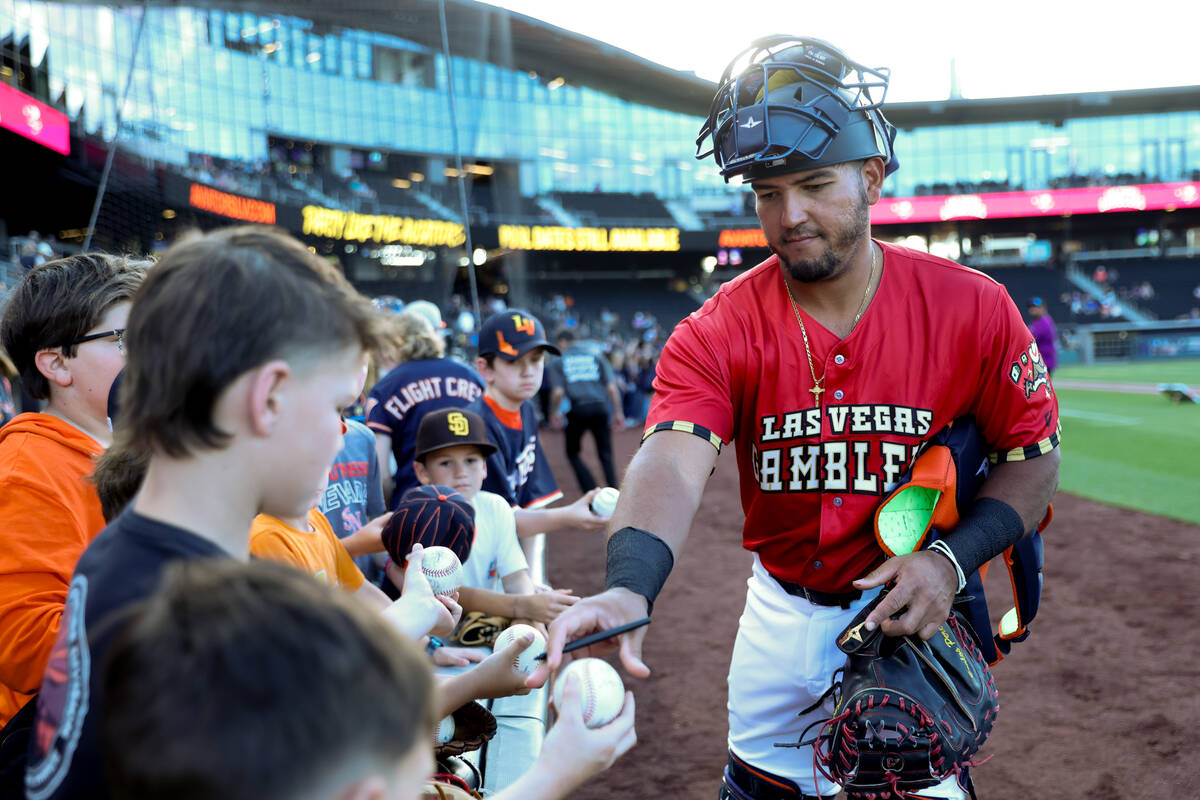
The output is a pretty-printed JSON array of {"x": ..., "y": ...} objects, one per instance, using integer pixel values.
[{"x": 816, "y": 393}]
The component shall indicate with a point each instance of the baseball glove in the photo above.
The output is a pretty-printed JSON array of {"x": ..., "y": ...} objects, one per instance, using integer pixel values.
[
  {"x": 908, "y": 713},
  {"x": 473, "y": 725}
]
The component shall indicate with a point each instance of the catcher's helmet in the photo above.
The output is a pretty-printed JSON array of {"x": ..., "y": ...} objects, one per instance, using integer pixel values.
[{"x": 791, "y": 103}]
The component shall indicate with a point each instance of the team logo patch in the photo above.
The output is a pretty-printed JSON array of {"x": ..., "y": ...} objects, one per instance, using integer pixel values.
[
  {"x": 1029, "y": 373},
  {"x": 525, "y": 325},
  {"x": 459, "y": 426},
  {"x": 505, "y": 347}
]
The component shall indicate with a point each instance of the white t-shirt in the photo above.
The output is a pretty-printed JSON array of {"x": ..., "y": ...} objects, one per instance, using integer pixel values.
[{"x": 496, "y": 551}]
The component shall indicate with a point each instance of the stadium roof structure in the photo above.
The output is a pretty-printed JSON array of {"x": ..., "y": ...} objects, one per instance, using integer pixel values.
[
  {"x": 496, "y": 35},
  {"x": 1050, "y": 108},
  {"x": 510, "y": 39}
]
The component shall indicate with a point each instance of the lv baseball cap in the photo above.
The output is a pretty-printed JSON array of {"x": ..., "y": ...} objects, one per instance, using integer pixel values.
[
  {"x": 448, "y": 427},
  {"x": 513, "y": 333}
]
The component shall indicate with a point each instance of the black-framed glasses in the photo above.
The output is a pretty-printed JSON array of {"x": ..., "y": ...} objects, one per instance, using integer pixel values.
[{"x": 91, "y": 337}]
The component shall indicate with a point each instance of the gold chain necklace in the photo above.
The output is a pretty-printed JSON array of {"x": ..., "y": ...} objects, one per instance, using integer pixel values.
[{"x": 817, "y": 389}]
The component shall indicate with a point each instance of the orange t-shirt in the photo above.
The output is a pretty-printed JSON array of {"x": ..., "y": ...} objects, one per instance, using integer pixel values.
[
  {"x": 318, "y": 552},
  {"x": 49, "y": 513}
]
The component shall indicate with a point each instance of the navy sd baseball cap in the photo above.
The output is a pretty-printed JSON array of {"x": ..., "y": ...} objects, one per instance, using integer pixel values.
[
  {"x": 513, "y": 333},
  {"x": 449, "y": 427}
]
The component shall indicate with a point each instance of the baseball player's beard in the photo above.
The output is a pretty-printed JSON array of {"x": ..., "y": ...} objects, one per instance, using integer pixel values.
[{"x": 836, "y": 258}]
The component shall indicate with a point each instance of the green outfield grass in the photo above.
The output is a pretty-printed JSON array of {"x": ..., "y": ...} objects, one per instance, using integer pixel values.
[
  {"x": 1182, "y": 370},
  {"x": 1133, "y": 450}
]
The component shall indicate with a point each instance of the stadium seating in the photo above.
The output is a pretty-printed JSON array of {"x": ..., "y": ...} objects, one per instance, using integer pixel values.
[{"x": 606, "y": 208}]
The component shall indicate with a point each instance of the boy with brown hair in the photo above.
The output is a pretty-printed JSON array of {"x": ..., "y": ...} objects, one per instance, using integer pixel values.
[
  {"x": 63, "y": 327},
  {"x": 243, "y": 347},
  {"x": 452, "y": 449},
  {"x": 254, "y": 682},
  {"x": 512, "y": 360}
]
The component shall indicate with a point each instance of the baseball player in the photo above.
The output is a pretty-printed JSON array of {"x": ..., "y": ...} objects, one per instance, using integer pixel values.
[{"x": 826, "y": 366}]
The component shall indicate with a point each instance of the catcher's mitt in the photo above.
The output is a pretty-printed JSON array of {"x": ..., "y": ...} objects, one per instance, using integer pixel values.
[
  {"x": 908, "y": 713},
  {"x": 473, "y": 725}
]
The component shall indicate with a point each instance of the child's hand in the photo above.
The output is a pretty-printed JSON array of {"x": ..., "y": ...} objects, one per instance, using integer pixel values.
[
  {"x": 575, "y": 752},
  {"x": 582, "y": 517},
  {"x": 419, "y": 611},
  {"x": 450, "y": 601},
  {"x": 496, "y": 675},
  {"x": 546, "y": 606},
  {"x": 533, "y": 623},
  {"x": 369, "y": 538},
  {"x": 457, "y": 656}
]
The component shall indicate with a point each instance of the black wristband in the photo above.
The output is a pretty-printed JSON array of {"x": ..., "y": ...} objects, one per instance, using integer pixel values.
[
  {"x": 989, "y": 528},
  {"x": 638, "y": 561}
]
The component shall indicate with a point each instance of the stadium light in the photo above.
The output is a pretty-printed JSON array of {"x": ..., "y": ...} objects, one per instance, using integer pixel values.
[
  {"x": 708, "y": 263},
  {"x": 479, "y": 256},
  {"x": 416, "y": 177}
]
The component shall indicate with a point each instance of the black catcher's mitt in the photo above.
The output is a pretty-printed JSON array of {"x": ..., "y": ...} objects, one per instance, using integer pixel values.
[
  {"x": 908, "y": 713},
  {"x": 473, "y": 725}
]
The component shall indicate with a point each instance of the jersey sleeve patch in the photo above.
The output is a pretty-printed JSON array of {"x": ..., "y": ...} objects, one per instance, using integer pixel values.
[
  {"x": 685, "y": 427},
  {"x": 1029, "y": 451}
]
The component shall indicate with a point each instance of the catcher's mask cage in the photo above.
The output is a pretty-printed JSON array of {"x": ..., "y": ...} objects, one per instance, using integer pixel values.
[{"x": 819, "y": 108}]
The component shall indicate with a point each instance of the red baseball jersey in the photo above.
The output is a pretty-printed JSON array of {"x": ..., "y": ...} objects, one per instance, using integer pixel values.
[{"x": 938, "y": 341}]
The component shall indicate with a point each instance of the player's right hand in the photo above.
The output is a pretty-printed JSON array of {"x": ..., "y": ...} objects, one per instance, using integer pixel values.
[{"x": 590, "y": 615}]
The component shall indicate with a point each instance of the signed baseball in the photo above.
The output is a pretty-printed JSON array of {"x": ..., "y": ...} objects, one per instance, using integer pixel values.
[
  {"x": 605, "y": 502},
  {"x": 443, "y": 569},
  {"x": 526, "y": 661},
  {"x": 603, "y": 693},
  {"x": 445, "y": 731}
]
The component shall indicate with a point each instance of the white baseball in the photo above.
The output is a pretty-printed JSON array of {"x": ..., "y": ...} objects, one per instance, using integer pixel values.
[
  {"x": 526, "y": 661},
  {"x": 442, "y": 569},
  {"x": 605, "y": 502},
  {"x": 603, "y": 693},
  {"x": 445, "y": 731}
]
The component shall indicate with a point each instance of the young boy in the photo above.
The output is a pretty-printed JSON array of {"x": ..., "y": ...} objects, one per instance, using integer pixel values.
[
  {"x": 335, "y": 705},
  {"x": 243, "y": 347},
  {"x": 452, "y": 449},
  {"x": 308, "y": 543},
  {"x": 512, "y": 353},
  {"x": 353, "y": 502},
  {"x": 63, "y": 327}
]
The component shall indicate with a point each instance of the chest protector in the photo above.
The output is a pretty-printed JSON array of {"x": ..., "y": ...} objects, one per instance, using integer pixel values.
[{"x": 926, "y": 504}]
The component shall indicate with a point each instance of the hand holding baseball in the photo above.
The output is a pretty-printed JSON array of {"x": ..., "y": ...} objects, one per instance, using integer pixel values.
[
  {"x": 581, "y": 515},
  {"x": 572, "y": 752},
  {"x": 418, "y": 611}
]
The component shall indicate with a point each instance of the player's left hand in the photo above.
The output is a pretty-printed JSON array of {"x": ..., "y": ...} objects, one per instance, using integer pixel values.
[{"x": 924, "y": 590}]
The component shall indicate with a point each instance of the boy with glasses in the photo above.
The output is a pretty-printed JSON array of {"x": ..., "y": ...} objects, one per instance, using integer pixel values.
[{"x": 63, "y": 327}]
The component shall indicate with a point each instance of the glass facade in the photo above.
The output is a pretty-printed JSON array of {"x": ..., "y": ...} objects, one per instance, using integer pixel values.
[
  {"x": 220, "y": 84},
  {"x": 226, "y": 85},
  {"x": 1143, "y": 148}
]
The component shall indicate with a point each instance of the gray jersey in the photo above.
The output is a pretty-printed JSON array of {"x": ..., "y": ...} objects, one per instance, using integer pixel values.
[{"x": 355, "y": 493}]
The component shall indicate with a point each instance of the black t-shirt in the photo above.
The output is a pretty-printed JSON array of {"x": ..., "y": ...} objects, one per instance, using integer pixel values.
[
  {"x": 584, "y": 376},
  {"x": 121, "y": 566}
]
